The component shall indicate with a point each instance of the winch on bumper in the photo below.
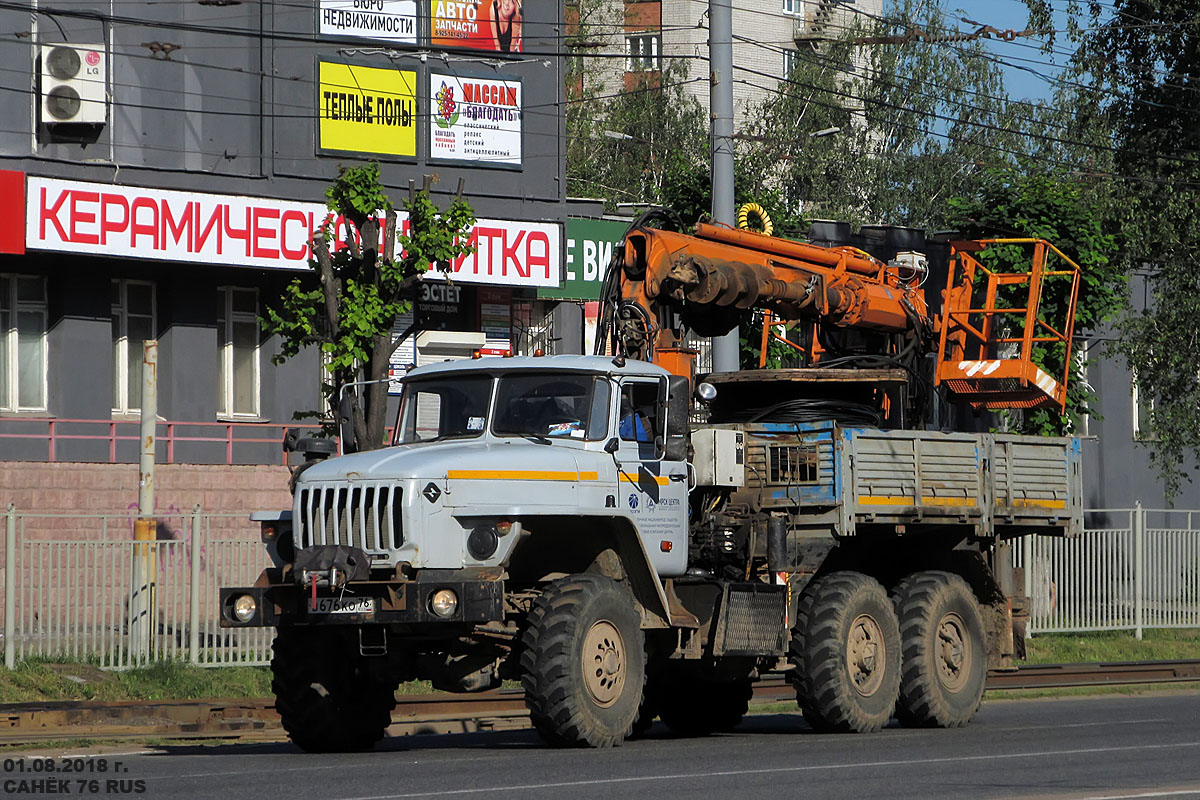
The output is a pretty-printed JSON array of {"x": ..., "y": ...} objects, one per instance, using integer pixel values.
[{"x": 333, "y": 585}]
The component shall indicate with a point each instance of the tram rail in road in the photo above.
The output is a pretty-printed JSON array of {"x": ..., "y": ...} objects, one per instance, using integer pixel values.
[{"x": 254, "y": 719}]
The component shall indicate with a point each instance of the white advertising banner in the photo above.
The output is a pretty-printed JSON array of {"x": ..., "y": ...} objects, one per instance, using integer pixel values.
[
  {"x": 162, "y": 224},
  {"x": 509, "y": 254},
  {"x": 386, "y": 20},
  {"x": 475, "y": 119}
]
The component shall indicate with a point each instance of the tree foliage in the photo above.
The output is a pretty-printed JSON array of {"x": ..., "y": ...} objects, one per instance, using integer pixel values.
[
  {"x": 349, "y": 304},
  {"x": 1011, "y": 204},
  {"x": 1131, "y": 86},
  {"x": 626, "y": 148},
  {"x": 919, "y": 121}
]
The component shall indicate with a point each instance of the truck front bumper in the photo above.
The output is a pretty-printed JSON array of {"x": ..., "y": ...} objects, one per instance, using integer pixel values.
[{"x": 365, "y": 602}]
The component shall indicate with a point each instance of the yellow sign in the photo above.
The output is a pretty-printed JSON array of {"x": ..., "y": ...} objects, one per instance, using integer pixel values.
[{"x": 367, "y": 110}]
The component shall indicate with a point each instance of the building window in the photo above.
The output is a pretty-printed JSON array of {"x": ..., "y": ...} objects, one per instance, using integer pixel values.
[
  {"x": 132, "y": 325},
  {"x": 642, "y": 52},
  {"x": 789, "y": 61},
  {"x": 793, "y": 6},
  {"x": 532, "y": 327},
  {"x": 237, "y": 351},
  {"x": 22, "y": 343}
]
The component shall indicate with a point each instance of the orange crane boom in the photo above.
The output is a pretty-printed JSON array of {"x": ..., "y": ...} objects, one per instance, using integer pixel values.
[{"x": 663, "y": 283}]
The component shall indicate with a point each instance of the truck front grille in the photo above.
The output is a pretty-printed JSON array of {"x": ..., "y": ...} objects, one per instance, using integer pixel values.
[{"x": 362, "y": 515}]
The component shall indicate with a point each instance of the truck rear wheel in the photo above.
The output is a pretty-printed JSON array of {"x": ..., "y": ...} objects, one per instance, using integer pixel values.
[
  {"x": 846, "y": 652},
  {"x": 583, "y": 666},
  {"x": 944, "y": 657},
  {"x": 326, "y": 698}
]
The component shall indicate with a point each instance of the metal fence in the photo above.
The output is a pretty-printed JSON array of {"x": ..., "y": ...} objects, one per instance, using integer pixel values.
[
  {"x": 1132, "y": 569},
  {"x": 116, "y": 441},
  {"x": 80, "y": 586}
]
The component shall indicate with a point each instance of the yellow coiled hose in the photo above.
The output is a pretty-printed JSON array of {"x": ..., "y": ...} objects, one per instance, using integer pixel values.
[{"x": 743, "y": 217}]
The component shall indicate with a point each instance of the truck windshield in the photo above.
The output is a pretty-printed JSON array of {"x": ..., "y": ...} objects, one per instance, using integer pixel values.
[
  {"x": 442, "y": 408},
  {"x": 552, "y": 404}
]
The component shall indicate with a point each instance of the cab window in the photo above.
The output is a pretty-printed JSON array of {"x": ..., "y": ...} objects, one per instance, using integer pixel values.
[
  {"x": 638, "y": 417},
  {"x": 552, "y": 405}
]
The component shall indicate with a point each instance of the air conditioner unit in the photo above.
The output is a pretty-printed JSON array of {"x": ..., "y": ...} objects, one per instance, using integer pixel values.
[{"x": 74, "y": 84}]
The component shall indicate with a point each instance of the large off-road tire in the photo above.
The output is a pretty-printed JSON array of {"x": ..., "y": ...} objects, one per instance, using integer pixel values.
[
  {"x": 696, "y": 707},
  {"x": 799, "y": 671},
  {"x": 944, "y": 658},
  {"x": 846, "y": 652},
  {"x": 583, "y": 662},
  {"x": 326, "y": 698}
]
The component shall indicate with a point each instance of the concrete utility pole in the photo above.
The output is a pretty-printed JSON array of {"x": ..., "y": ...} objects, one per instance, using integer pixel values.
[
  {"x": 720, "y": 61},
  {"x": 141, "y": 606}
]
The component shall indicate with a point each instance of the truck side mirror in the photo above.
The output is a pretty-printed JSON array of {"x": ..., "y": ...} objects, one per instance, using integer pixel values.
[
  {"x": 612, "y": 445},
  {"x": 679, "y": 406},
  {"x": 677, "y": 400}
]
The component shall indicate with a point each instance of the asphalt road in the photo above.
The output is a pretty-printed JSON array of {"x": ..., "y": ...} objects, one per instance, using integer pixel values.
[{"x": 1093, "y": 748}]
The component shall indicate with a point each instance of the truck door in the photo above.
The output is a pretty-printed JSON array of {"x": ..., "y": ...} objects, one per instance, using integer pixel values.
[{"x": 653, "y": 490}]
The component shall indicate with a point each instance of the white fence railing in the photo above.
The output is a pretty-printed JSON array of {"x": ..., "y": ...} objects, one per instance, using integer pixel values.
[
  {"x": 1132, "y": 569},
  {"x": 80, "y": 586}
]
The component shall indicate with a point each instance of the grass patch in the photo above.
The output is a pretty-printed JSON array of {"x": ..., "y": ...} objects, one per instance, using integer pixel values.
[
  {"x": 1105, "y": 646},
  {"x": 37, "y": 680}
]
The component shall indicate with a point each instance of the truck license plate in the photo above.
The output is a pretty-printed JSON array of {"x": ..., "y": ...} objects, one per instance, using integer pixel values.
[{"x": 342, "y": 605}]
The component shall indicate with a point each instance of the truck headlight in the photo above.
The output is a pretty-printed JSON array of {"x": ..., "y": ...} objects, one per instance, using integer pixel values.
[
  {"x": 482, "y": 542},
  {"x": 443, "y": 602},
  {"x": 244, "y": 608}
]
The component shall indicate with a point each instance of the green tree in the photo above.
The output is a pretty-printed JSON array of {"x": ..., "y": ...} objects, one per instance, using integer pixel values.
[
  {"x": 1132, "y": 80},
  {"x": 919, "y": 122},
  {"x": 1011, "y": 204},
  {"x": 687, "y": 190},
  {"x": 625, "y": 148},
  {"x": 349, "y": 304}
]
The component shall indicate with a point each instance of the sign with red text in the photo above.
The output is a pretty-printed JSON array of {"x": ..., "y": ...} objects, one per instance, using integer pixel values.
[
  {"x": 509, "y": 254},
  {"x": 162, "y": 224},
  {"x": 482, "y": 24},
  {"x": 475, "y": 119},
  {"x": 80, "y": 217}
]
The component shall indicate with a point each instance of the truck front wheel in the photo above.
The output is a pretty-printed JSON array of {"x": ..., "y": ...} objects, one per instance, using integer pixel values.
[
  {"x": 327, "y": 700},
  {"x": 944, "y": 658},
  {"x": 846, "y": 654},
  {"x": 583, "y": 665}
]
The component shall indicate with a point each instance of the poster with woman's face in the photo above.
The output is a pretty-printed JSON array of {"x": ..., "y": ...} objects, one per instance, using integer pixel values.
[{"x": 482, "y": 24}]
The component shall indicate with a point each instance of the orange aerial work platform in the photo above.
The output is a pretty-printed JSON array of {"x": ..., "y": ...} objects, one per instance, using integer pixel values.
[{"x": 1005, "y": 338}]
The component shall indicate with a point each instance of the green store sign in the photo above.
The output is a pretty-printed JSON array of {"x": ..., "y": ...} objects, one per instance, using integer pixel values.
[{"x": 590, "y": 245}]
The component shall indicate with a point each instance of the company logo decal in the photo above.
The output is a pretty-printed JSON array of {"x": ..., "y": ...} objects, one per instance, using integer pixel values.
[{"x": 447, "y": 113}]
